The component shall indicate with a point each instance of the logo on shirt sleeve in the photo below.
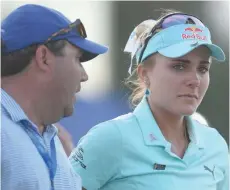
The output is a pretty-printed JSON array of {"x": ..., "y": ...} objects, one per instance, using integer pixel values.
[
  {"x": 211, "y": 171},
  {"x": 216, "y": 172},
  {"x": 78, "y": 157}
]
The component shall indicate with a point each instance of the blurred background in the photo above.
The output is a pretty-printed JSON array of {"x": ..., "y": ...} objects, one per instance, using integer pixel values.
[{"x": 104, "y": 95}]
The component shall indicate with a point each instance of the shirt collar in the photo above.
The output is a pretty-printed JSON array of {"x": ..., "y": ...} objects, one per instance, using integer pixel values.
[
  {"x": 51, "y": 131},
  {"x": 17, "y": 114},
  {"x": 12, "y": 107},
  {"x": 151, "y": 132},
  {"x": 193, "y": 131}
]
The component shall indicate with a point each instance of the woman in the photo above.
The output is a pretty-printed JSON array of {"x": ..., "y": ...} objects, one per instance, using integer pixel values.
[{"x": 159, "y": 145}]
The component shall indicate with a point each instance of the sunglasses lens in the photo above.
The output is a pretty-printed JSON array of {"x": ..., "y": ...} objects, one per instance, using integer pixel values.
[
  {"x": 81, "y": 30},
  {"x": 77, "y": 25},
  {"x": 180, "y": 19}
]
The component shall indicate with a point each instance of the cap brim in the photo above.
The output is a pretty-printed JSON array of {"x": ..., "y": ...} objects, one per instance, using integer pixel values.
[
  {"x": 181, "y": 49},
  {"x": 91, "y": 49}
]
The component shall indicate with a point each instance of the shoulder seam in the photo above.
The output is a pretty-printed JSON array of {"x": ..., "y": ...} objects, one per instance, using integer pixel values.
[{"x": 121, "y": 155}]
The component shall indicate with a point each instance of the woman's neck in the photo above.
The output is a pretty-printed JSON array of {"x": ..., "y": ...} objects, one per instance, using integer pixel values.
[{"x": 173, "y": 128}]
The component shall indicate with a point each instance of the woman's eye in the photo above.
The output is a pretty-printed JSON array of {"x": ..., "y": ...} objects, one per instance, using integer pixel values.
[
  {"x": 179, "y": 67},
  {"x": 203, "y": 69}
]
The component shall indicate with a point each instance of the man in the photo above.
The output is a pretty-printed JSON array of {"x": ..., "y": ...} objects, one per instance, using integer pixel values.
[{"x": 41, "y": 71}]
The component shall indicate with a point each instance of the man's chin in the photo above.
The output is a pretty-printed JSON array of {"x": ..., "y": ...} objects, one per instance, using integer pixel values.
[
  {"x": 75, "y": 98},
  {"x": 68, "y": 111}
]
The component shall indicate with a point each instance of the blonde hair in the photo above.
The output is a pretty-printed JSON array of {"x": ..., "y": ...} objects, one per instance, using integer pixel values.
[
  {"x": 200, "y": 118},
  {"x": 133, "y": 82}
]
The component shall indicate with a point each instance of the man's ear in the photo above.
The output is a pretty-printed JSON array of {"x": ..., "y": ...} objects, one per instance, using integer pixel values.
[{"x": 44, "y": 58}]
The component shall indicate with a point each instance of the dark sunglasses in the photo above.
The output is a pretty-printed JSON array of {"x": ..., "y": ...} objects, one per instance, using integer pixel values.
[
  {"x": 168, "y": 21},
  {"x": 77, "y": 26}
]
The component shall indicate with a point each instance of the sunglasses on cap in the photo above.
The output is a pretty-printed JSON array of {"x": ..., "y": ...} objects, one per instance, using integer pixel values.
[
  {"x": 77, "y": 25},
  {"x": 168, "y": 21}
]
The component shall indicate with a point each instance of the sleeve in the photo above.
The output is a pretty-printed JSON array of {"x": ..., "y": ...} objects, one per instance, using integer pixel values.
[
  {"x": 224, "y": 184},
  {"x": 97, "y": 156}
]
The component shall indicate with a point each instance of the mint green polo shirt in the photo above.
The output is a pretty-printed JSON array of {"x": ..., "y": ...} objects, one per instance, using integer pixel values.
[{"x": 131, "y": 153}]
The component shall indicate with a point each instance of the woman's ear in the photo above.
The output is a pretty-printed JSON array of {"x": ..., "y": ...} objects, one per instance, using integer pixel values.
[{"x": 142, "y": 73}]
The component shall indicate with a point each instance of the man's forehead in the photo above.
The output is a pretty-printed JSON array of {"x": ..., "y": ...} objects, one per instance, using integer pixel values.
[{"x": 74, "y": 49}]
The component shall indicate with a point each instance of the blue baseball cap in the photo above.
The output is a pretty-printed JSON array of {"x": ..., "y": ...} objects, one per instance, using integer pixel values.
[
  {"x": 178, "y": 40},
  {"x": 34, "y": 24}
]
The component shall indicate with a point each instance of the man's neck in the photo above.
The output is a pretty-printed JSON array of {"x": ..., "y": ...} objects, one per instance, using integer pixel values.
[
  {"x": 28, "y": 104},
  {"x": 41, "y": 129}
]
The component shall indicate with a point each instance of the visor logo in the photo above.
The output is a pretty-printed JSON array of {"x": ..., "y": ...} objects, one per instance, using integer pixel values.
[{"x": 193, "y": 33}]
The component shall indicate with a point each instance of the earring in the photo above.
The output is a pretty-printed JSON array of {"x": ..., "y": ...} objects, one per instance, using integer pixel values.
[{"x": 147, "y": 92}]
